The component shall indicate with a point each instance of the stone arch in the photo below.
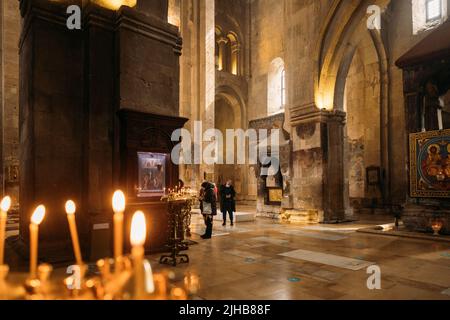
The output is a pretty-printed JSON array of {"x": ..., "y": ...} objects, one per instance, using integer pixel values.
[
  {"x": 232, "y": 95},
  {"x": 232, "y": 32},
  {"x": 220, "y": 48},
  {"x": 238, "y": 173},
  {"x": 344, "y": 36},
  {"x": 233, "y": 53},
  {"x": 342, "y": 21}
]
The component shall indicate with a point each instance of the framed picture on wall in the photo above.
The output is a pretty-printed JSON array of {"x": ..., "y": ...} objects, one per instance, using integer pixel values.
[
  {"x": 373, "y": 176},
  {"x": 151, "y": 174},
  {"x": 430, "y": 164},
  {"x": 274, "y": 196}
]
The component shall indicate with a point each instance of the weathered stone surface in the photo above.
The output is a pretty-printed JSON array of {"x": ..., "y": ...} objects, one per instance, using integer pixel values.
[
  {"x": 420, "y": 218},
  {"x": 72, "y": 85}
]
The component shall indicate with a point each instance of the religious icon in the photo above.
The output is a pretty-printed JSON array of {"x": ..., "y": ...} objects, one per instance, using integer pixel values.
[
  {"x": 274, "y": 196},
  {"x": 151, "y": 174},
  {"x": 373, "y": 176},
  {"x": 430, "y": 164}
]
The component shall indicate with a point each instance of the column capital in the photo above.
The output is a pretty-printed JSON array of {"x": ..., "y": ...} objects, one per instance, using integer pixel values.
[
  {"x": 222, "y": 40},
  {"x": 310, "y": 113}
]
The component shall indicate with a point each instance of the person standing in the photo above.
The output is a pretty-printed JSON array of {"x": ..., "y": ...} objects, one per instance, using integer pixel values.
[
  {"x": 208, "y": 207},
  {"x": 228, "y": 202}
]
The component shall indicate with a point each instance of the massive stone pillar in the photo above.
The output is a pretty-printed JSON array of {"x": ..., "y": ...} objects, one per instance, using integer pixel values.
[
  {"x": 318, "y": 184},
  {"x": 51, "y": 122},
  {"x": 74, "y": 88},
  {"x": 207, "y": 74},
  {"x": 198, "y": 80},
  {"x": 9, "y": 99}
]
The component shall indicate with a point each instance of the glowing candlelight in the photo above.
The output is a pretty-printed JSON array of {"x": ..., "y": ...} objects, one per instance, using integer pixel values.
[
  {"x": 36, "y": 220},
  {"x": 137, "y": 239},
  {"x": 5, "y": 205},
  {"x": 118, "y": 203},
  {"x": 70, "y": 210}
]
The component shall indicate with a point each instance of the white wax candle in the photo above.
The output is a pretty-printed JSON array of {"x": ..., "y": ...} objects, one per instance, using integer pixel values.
[
  {"x": 4, "y": 207},
  {"x": 36, "y": 220},
  {"x": 70, "y": 210}
]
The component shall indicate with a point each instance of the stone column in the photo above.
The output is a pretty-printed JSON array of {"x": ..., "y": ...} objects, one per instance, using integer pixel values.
[
  {"x": 235, "y": 56},
  {"x": 334, "y": 188},
  {"x": 9, "y": 99},
  {"x": 72, "y": 84},
  {"x": 207, "y": 88},
  {"x": 318, "y": 184},
  {"x": 222, "y": 41},
  {"x": 51, "y": 123}
]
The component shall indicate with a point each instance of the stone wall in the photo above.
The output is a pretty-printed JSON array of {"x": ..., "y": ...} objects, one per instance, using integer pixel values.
[
  {"x": 267, "y": 44},
  {"x": 292, "y": 30}
]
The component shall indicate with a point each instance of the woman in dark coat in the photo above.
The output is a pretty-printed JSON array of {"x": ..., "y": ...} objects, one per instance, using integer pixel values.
[
  {"x": 208, "y": 207},
  {"x": 227, "y": 202}
]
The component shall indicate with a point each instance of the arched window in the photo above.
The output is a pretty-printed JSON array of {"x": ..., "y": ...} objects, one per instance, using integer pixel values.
[
  {"x": 220, "y": 49},
  {"x": 233, "y": 53},
  {"x": 276, "y": 87},
  {"x": 227, "y": 52}
]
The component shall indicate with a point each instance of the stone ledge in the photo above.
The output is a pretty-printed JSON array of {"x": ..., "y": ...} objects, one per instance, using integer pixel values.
[
  {"x": 244, "y": 216},
  {"x": 301, "y": 216},
  {"x": 270, "y": 215},
  {"x": 404, "y": 234},
  {"x": 418, "y": 218}
]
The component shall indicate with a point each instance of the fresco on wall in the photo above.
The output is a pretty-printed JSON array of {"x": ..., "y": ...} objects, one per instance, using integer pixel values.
[{"x": 430, "y": 164}]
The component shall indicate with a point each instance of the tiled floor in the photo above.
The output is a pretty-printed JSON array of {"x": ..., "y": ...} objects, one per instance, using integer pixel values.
[{"x": 268, "y": 260}]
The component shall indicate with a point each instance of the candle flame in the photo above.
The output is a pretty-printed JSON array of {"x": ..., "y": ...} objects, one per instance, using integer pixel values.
[
  {"x": 138, "y": 229},
  {"x": 70, "y": 207},
  {"x": 118, "y": 201},
  {"x": 6, "y": 204},
  {"x": 38, "y": 215}
]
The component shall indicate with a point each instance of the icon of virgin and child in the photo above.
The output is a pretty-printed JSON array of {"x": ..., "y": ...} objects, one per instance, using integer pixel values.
[{"x": 437, "y": 162}]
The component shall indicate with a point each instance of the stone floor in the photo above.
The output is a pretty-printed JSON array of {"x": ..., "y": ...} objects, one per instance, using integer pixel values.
[{"x": 268, "y": 260}]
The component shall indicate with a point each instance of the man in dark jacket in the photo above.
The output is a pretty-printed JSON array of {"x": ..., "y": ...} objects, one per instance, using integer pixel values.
[
  {"x": 227, "y": 202},
  {"x": 208, "y": 207}
]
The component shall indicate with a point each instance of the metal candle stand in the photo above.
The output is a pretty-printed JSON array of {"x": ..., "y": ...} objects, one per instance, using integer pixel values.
[{"x": 177, "y": 217}]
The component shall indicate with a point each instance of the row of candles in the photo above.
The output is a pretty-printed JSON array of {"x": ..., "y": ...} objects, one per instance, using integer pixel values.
[
  {"x": 177, "y": 189},
  {"x": 137, "y": 236}
]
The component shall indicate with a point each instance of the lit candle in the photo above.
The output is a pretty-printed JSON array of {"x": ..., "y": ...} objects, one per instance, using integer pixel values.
[
  {"x": 70, "y": 210},
  {"x": 36, "y": 220},
  {"x": 137, "y": 239},
  {"x": 118, "y": 203},
  {"x": 178, "y": 294},
  {"x": 5, "y": 205}
]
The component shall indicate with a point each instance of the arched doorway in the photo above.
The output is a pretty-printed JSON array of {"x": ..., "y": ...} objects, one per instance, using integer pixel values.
[
  {"x": 229, "y": 114},
  {"x": 352, "y": 82},
  {"x": 224, "y": 119},
  {"x": 360, "y": 93}
]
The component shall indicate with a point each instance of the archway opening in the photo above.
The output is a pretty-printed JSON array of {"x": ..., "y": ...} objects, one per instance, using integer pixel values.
[
  {"x": 362, "y": 150},
  {"x": 224, "y": 119}
]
